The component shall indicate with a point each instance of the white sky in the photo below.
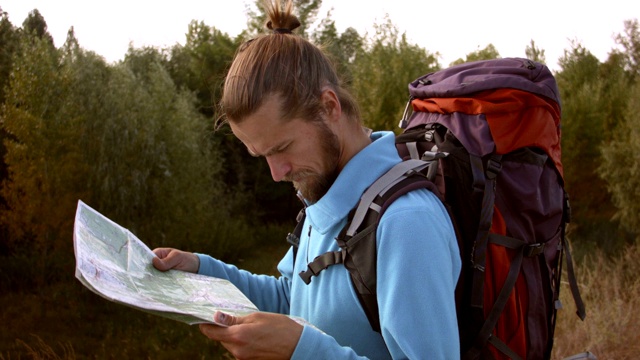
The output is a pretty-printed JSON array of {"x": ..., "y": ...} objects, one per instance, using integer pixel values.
[{"x": 452, "y": 28}]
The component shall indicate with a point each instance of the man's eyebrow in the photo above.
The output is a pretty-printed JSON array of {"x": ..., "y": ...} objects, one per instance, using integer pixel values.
[{"x": 273, "y": 150}]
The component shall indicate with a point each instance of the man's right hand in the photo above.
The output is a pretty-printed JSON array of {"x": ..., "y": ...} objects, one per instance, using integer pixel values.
[{"x": 168, "y": 258}]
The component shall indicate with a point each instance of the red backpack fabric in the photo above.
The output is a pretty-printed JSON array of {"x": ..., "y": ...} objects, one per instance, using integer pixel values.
[{"x": 485, "y": 137}]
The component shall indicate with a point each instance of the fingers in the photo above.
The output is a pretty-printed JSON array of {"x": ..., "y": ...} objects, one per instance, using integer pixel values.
[
  {"x": 258, "y": 335},
  {"x": 168, "y": 258},
  {"x": 163, "y": 261},
  {"x": 160, "y": 264},
  {"x": 228, "y": 337},
  {"x": 224, "y": 319},
  {"x": 162, "y": 252},
  {"x": 222, "y": 331}
]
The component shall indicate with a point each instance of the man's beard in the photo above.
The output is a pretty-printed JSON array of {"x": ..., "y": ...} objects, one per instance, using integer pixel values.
[{"x": 311, "y": 184}]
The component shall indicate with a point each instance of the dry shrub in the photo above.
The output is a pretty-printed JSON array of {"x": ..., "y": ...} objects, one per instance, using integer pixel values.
[{"x": 611, "y": 292}]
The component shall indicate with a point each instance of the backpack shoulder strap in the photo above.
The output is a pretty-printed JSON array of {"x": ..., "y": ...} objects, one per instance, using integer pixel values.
[{"x": 357, "y": 240}]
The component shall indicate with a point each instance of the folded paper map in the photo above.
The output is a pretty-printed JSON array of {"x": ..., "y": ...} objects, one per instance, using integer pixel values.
[{"x": 112, "y": 262}]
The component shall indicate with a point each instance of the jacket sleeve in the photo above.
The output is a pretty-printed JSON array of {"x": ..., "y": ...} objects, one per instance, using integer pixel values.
[
  {"x": 418, "y": 265},
  {"x": 418, "y": 268},
  {"x": 314, "y": 344},
  {"x": 268, "y": 293}
]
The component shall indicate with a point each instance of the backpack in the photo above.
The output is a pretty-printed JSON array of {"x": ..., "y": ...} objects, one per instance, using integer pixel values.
[{"x": 485, "y": 137}]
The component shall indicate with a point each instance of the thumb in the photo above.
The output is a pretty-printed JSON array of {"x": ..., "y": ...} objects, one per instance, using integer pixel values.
[
  {"x": 166, "y": 263},
  {"x": 223, "y": 319}
]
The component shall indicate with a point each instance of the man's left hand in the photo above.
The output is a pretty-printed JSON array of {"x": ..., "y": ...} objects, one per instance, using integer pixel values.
[{"x": 256, "y": 336}]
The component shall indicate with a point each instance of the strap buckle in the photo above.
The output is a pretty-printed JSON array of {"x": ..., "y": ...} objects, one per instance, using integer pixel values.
[{"x": 534, "y": 249}]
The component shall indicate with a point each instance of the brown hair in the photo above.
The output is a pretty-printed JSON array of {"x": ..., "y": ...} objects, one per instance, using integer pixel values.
[{"x": 281, "y": 63}]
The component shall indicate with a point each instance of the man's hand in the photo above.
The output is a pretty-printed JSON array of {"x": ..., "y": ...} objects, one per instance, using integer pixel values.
[
  {"x": 168, "y": 258},
  {"x": 256, "y": 336}
]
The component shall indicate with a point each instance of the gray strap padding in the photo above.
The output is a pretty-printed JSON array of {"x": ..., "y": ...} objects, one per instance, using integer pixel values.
[
  {"x": 412, "y": 147},
  {"x": 380, "y": 186}
]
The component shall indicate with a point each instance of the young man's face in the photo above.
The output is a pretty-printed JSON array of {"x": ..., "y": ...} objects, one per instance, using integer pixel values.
[{"x": 302, "y": 152}]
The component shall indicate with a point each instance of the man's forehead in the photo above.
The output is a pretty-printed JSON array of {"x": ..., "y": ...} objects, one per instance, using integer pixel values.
[{"x": 260, "y": 134}]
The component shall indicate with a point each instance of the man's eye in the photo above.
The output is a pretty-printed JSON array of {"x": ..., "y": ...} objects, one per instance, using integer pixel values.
[{"x": 284, "y": 148}]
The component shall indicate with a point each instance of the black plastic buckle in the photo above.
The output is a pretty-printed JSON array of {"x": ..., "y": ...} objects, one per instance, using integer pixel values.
[
  {"x": 493, "y": 168},
  {"x": 534, "y": 249}
]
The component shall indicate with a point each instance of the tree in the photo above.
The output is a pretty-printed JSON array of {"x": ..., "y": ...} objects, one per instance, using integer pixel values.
[
  {"x": 38, "y": 156},
  {"x": 630, "y": 42},
  {"x": 123, "y": 139},
  {"x": 621, "y": 166},
  {"x": 200, "y": 64},
  {"x": 36, "y": 25},
  {"x": 584, "y": 128},
  {"x": 616, "y": 82},
  {"x": 9, "y": 36},
  {"x": 534, "y": 53},
  {"x": 343, "y": 48},
  {"x": 489, "y": 52},
  {"x": 382, "y": 72}
]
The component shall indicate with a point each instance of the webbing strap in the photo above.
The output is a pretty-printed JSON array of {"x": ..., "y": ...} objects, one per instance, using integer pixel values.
[
  {"x": 530, "y": 250},
  {"x": 488, "y": 177},
  {"x": 503, "y": 348},
  {"x": 412, "y": 147},
  {"x": 294, "y": 237},
  {"x": 573, "y": 282},
  {"x": 379, "y": 187},
  {"x": 322, "y": 262},
  {"x": 486, "y": 330}
]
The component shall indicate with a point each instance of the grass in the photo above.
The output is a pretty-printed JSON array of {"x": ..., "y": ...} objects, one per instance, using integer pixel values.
[
  {"x": 63, "y": 320},
  {"x": 611, "y": 290}
]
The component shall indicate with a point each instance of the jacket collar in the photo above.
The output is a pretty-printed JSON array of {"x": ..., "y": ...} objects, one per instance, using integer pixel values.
[{"x": 359, "y": 173}]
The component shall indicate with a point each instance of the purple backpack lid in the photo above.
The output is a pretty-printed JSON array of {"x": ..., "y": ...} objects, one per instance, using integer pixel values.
[{"x": 469, "y": 78}]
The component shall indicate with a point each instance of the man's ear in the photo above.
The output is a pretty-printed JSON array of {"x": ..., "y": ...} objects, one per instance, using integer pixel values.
[{"x": 330, "y": 104}]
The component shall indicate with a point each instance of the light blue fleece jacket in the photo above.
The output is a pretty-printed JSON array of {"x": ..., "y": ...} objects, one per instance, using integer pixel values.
[{"x": 418, "y": 265}]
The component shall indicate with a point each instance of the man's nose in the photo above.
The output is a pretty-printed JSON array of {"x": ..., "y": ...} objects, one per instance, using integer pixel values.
[{"x": 280, "y": 168}]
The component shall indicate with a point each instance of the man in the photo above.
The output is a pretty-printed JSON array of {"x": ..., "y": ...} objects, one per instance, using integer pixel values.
[{"x": 283, "y": 100}]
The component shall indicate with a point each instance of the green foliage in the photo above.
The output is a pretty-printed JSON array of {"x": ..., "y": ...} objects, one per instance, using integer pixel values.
[
  {"x": 583, "y": 130},
  {"x": 488, "y": 53},
  {"x": 630, "y": 42},
  {"x": 8, "y": 44},
  {"x": 595, "y": 98},
  {"x": 534, "y": 53},
  {"x": 343, "y": 48},
  {"x": 123, "y": 139},
  {"x": 621, "y": 165},
  {"x": 156, "y": 172},
  {"x": 9, "y": 37},
  {"x": 382, "y": 72},
  {"x": 200, "y": 65},
  {"x": 615, "y": 92},
  {"x": 34, "y": 116},
  {"x": 35, "y": 24}
]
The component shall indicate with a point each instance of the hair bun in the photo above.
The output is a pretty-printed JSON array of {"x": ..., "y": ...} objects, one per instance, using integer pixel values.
[
  {"x": 282, "y": 31},
  {"x": 281, "y": 22}
]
